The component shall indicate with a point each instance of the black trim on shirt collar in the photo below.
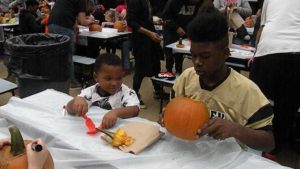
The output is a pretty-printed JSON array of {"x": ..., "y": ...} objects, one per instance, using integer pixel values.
[
  {"x": 210, "y": 88},
  {"x": 101, "y": 93}
]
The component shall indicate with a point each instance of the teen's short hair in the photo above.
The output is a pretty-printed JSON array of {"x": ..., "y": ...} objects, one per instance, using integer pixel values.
[
  {"x": 209, "y": 26},
  {"x": 31, "y": 3},
  {"x": 107, "y": 59}
]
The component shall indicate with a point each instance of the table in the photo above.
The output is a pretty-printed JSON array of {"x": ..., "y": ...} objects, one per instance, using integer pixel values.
[
  {"x": 106, "y": 34},
  {"x": 2, "y": 26},
  {"x": 40, "y": 115},
  {"x": 238, "y": 59},
  {"x": 84, "y": 62},
  {"x": 163, "y": 83},
  {"x": 6, "y": 86}
]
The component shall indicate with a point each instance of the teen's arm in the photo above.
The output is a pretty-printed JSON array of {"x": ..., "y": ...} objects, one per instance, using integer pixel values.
[{"x": 221, "y": 129}]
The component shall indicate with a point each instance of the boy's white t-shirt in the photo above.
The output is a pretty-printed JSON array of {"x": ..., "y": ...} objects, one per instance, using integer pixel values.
[
  {"x": 123, "y": 98},
  {"x": 281, "y": 32}
]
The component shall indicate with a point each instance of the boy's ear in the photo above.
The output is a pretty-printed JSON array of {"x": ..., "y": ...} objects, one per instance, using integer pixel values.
[
  {"x": 226, "y": 53},
  {"x": 95, "y": 76}
]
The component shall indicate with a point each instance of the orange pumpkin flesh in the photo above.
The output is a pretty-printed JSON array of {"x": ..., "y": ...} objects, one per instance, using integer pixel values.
[
  {"x": 14, "y": 156},
  {"x": 120, "y": 26},
  {"x": 95, "y": 27},
  {"x": 184, "y": 116}
]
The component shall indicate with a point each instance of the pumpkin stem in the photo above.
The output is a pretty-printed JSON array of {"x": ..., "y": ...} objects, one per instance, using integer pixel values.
[{"x": 17, "y": 143}]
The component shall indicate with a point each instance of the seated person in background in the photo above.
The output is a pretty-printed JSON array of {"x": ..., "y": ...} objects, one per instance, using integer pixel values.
[
  {"x": 240, "y": 7},
  {"x": 35, "y": 160},
  {"x": 109, "y": 19},
  {"x": 110, "y": 45},
  {"x": 237, "y": 106},
  {"x": 109, "y": 93},
  {"x": 27, "y": 18},
  {"x": 99, "y": 11},
  {"x": 177, "y": 15}
]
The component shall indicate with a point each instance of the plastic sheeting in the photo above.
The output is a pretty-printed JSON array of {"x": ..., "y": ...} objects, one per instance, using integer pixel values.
[{"x": 41, "y": 115}]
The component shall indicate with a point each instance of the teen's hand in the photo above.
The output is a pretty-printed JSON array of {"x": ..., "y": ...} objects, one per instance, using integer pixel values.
[
  {"x": 4, "y": 142},
  {"x": 220, "y": 129},
  {"x": 155, "y": 37},
  {"x": 36, "y": 160},
  {"x": 80, "y": 106},
  {"x": 109, "y": 119},
  {"x": 180, "y": 32}
]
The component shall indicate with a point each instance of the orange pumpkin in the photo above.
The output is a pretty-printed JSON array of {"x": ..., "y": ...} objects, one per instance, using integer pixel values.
[
  {"x": 184, "y": 116},
  {"x": 120, "y": 26},
  {"x": 14, "y": 156},
  {"x": 95, "y": 27}
]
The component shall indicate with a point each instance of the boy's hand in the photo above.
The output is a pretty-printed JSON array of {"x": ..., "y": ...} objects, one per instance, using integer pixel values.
[
  {"x": 80, "y": 106},
  {"x": 220, "y": 129},
  {"x": 109, "y": 119}
]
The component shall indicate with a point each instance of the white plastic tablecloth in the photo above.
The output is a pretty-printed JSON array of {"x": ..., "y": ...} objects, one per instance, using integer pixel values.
[
  {"x": 41, "y": 115},
  {"x": 236, "y": 50},
  {"x": 106, "y": 33}
]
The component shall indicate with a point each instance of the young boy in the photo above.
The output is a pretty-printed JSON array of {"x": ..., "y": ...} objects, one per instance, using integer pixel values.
[
  {"x": 108, "y": 93},
  {"x": 237, "y": 106}
]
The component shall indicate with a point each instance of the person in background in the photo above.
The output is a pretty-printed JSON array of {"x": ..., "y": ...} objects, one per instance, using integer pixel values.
[
  {"x": 62, "y": 20},
  {"x": 177, "y": 15},
  {"x": 242, "y": 8},
  {"x": 108, "y": 93},
  {"x": 5, "y": 5},
  {"x": 158, "y": 6},
  {"x": 110, "y": 18},
  {"x": 99, "y": 11},
  {"x": 109, "y": 4},
  {"x": 146, "y": 45},
  {"x": 126, "y": 45},
  {"x": 27, "y": 18},
  {"x": 276, "y": 69},
  {"x": 36, "y": 160},
  {"x": 247, "y": 114}
]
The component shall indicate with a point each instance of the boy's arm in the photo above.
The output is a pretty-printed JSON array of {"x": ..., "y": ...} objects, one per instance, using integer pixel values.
[
  {"x": 127, "y": 112},
  {"x": 130, "y": 103}
]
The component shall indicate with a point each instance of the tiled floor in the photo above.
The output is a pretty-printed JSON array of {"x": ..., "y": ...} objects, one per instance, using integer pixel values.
[{"x": 287, "y": 157}]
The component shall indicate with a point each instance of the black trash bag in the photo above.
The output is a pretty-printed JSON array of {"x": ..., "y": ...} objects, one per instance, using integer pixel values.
[{"x": 39, "y": 56}]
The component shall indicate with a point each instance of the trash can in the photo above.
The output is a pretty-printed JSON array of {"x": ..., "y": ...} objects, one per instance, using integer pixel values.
[{"x": 40, "y": 61}]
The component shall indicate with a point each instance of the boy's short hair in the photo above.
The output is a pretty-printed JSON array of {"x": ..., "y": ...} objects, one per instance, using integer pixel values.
[
  {"x": 209, "y": 26},
  {"x": 31, "y": 3},
  {"x": 107, "y": 59}
]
